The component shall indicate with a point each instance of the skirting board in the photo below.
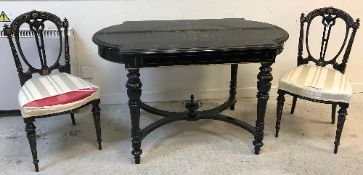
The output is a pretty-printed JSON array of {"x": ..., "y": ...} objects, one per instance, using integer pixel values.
[
  {"x": 181, "y": 95},
  {"x": 9, "y": 113}
]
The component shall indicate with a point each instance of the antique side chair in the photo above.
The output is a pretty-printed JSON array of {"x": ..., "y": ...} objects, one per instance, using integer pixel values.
[
  {"x": 48, "y": 94},
  {"x": 316, "y": 82}
]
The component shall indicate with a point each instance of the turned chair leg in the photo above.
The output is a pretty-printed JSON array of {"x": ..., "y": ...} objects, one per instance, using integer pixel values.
[
  {"x": 73, "y": 119},
  {"x": 293, "y": 105},
  {"x": 341, "y": 119},
  {"x": 279, "y": 109},
  {"x": 31, "y": 135},
  {"x": 96, "y": 116},
  {"x": 333, "y": 112}
]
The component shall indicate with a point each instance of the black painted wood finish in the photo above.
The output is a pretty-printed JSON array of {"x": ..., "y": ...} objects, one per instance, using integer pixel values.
[
  {"x": 328, "y": 16},
  {"x": 181, "y": 42},
  {"x": 36, "y": 21},
  {"x": 139, "y": 44}
]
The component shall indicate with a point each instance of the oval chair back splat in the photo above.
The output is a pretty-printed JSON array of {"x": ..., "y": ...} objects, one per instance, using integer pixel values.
[
  {"x": 36, "y": 22},
  {"x": 329, "y": 16}
]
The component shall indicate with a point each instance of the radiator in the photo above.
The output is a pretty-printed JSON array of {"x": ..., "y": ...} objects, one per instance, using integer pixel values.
[{"x": 10, "y": 85}]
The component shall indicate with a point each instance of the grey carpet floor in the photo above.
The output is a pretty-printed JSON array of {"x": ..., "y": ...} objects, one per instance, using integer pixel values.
[{"x": 305, "y": 145}]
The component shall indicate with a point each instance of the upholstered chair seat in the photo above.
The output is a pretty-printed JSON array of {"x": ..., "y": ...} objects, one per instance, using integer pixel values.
[
  {"x": 55, "y": 93},
  {"x": 316, "y": 82}
]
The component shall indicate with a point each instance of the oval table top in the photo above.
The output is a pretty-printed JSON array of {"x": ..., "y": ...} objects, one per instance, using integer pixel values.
[{"x": 159, "y": 38}]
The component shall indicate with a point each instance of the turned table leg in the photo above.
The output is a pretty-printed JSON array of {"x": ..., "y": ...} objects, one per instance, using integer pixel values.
[
  {"x": 134, "y": 92},
  {"x": 263, "y": 85},
  {"x": 233, "y": 84}
]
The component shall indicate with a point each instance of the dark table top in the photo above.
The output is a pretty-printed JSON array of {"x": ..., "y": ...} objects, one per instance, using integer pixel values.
[{"x": 131, "y": 39}]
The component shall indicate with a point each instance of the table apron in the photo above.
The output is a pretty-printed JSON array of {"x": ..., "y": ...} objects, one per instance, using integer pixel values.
[{"x": 185, "y": 58}]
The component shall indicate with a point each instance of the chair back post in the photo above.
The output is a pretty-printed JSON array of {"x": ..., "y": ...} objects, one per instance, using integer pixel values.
[
  {"x": 329, "y": 16},
  {"x": 300, "y": 59},
  {"x": 22, "y": 76},
  {"x": 67, "y": 66},
  {"x": 35, "y": 20},
  {"x": 343, "y": 66}
]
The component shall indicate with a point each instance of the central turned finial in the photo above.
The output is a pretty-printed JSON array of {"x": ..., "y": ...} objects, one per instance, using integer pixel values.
[{"x": 192, "y": 106}]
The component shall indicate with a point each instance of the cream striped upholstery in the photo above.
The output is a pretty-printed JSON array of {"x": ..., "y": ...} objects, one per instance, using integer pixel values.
[
  {"x": 49, "y": 86},
  {"x": 318, "y": 83}
]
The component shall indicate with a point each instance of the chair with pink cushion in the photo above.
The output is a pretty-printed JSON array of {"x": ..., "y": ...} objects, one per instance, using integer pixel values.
[{"x": 48, "y": 94}]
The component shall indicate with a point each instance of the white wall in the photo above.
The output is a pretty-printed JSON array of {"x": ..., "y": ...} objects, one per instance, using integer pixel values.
[{"x": 176, "y": 83}]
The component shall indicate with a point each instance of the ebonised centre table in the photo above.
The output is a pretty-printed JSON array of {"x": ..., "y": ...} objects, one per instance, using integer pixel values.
[{"x": 139, "y": 44}]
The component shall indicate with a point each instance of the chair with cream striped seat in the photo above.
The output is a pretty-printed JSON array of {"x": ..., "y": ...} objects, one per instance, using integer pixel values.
[
  {"x": 49, "y": 94},
  {"x": 316, "y": 82}
]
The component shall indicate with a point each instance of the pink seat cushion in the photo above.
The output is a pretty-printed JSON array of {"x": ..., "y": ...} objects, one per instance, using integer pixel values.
[{"x": 65, "y": 98}]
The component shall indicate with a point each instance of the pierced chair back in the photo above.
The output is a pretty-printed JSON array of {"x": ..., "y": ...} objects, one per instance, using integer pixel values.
[
  {"x": 36, "y": 21},
  {"x": 329, "y": 16}
]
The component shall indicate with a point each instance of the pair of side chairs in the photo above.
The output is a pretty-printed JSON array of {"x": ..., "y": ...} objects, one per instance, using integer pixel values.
[{"x": 61, "y": 93}]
